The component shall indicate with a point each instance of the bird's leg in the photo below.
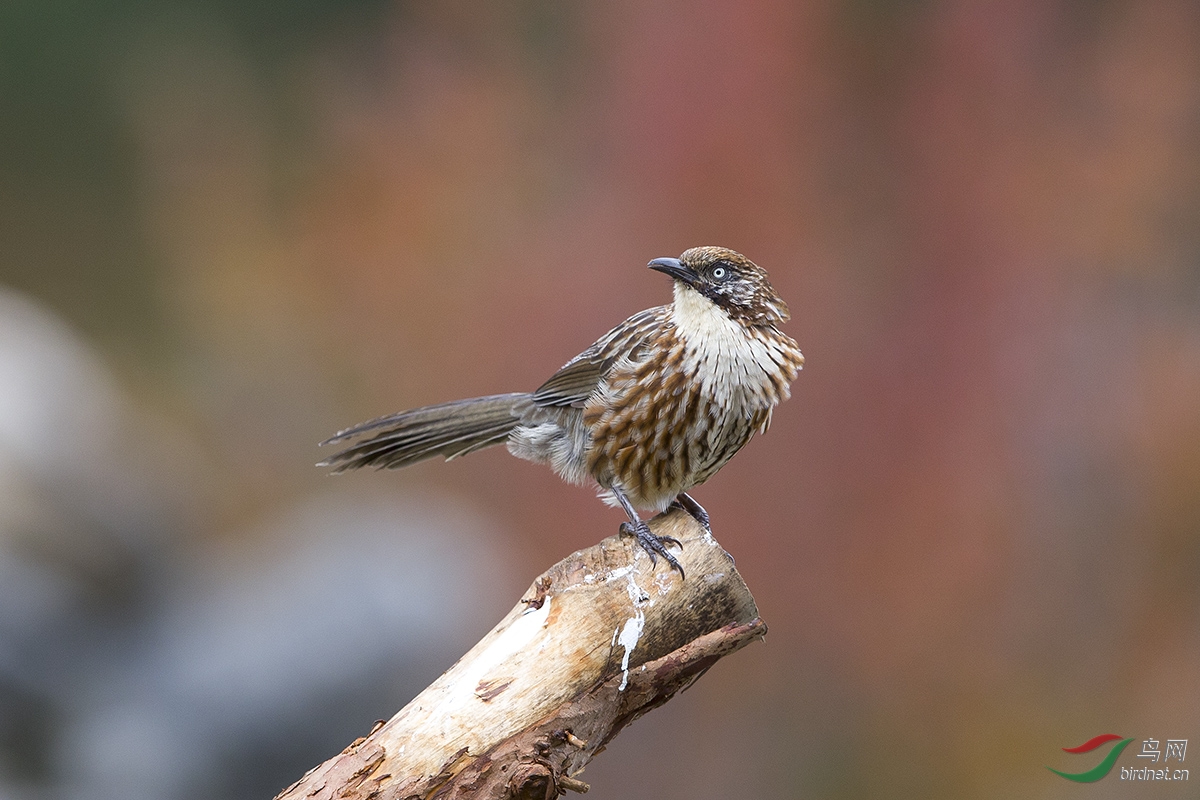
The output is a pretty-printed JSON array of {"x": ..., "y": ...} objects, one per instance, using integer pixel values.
[
  {"x": 697, "y": 512},
  {"x": 654, "y": 545}
]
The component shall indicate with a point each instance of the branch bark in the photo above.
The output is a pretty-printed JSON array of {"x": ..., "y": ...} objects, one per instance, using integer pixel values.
[{"x": 598, "y": 640}]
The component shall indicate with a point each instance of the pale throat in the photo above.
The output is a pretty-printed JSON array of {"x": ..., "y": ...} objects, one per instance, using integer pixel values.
[
  {"x": 697, "y": 318},
  {"x": 727, "y": 352}
]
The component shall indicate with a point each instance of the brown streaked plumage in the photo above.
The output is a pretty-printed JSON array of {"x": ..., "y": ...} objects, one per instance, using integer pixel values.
[{"x": 655, "y": 407}]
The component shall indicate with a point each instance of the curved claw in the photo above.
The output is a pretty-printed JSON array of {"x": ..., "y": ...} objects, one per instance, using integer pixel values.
[{"x": 654, "y": 545}]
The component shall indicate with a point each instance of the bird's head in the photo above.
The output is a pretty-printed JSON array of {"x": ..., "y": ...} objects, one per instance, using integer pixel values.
[{"x": 731, "y": 281}]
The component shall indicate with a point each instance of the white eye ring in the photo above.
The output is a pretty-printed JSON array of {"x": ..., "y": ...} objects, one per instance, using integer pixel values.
[{"x": 719, "y": 273}]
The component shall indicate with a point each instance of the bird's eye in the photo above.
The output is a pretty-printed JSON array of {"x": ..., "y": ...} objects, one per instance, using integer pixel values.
[{"x": 719, "y": 273}]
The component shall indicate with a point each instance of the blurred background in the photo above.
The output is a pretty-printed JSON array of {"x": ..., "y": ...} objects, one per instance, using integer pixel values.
[{"x": 229, "y": 229}]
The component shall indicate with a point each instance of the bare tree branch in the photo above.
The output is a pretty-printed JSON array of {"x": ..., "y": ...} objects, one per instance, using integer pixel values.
[{"x": 598, "y": 640}]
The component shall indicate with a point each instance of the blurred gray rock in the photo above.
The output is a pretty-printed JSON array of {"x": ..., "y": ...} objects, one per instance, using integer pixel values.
[{"x": 269, "y": 659}]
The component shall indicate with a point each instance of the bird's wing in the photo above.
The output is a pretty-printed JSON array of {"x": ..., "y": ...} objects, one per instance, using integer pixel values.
[{"x": 574, "y": 383}]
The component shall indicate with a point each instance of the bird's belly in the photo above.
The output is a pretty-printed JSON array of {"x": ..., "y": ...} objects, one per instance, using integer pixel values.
[{"x": 659, "y": 435}]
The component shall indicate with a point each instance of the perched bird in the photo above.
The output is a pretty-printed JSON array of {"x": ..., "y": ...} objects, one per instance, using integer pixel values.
[{"x": 656, "y": 406}]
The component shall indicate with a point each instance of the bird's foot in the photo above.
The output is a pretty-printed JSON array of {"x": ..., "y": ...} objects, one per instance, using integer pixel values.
[
  {"x": 694, "y": 510},
  {"x": 654, "y": 545}
]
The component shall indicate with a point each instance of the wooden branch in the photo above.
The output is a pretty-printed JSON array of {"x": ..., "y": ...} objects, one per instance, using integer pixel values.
[{"x": 598, "y": 640}]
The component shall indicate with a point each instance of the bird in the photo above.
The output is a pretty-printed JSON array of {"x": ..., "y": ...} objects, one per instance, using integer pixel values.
[{"x": 652, "y": 409}]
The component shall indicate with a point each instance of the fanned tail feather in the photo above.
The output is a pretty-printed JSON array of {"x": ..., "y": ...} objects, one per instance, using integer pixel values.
[{"x": 448, "y": 430}]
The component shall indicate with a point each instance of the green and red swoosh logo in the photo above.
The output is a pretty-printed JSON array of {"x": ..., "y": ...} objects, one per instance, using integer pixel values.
[{"x": 1104, "y": 767}]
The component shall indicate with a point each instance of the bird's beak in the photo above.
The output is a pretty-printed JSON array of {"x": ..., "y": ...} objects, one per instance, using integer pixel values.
[{"x": 676, "y": 269}]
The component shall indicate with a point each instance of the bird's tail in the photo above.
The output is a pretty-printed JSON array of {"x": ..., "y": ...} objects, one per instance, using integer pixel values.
[{"x": 449, "y": 430}]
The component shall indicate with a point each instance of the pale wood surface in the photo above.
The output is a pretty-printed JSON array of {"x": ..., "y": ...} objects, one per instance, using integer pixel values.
[{"x": 596, "y": 641}]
